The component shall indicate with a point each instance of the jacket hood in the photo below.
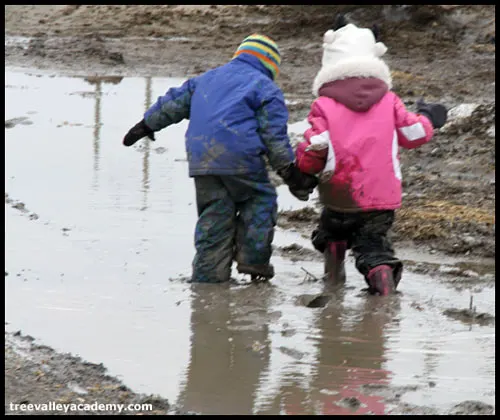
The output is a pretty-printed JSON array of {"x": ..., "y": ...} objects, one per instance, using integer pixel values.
[
  {"x": 254, "y": 62},
  {"x": 356, "y": 93},
  {"x": 366, "y": 67}
]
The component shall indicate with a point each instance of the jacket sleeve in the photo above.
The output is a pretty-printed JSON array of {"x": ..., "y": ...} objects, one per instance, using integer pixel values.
[
  {"x": 272, "y": 119},
  {"x": 171, "y": 108},
  {"x": 312, "y": 153},
  {"x": 413, "y": 129}
]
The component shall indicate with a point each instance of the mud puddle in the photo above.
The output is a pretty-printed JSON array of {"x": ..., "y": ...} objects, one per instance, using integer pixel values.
[{"x": 97, "y": 274}]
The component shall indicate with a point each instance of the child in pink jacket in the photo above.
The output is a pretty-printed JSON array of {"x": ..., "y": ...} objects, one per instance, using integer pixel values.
[{"x": 357, "y": 127}]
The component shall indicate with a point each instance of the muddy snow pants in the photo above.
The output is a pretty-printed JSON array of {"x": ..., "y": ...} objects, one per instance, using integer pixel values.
[
  {"x": 236, "y": 220},
  {"x": 366, "y": 236}
]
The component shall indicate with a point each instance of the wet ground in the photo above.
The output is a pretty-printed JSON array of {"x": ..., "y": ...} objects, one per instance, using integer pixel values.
[{"x": 98, "y": 247}]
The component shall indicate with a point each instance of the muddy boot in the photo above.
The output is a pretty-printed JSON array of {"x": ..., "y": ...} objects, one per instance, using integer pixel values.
[
  {"x": 380, "y": 280},
  {"x": 258, "y": 272},
  {"x": 334, "y": 262}
]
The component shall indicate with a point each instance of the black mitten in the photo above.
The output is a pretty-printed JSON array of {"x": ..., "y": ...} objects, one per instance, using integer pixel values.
[
  {"x": 137, "y": 132},
  {"x": 436, "y": 113},
  {"x": 301, "y": 185}
]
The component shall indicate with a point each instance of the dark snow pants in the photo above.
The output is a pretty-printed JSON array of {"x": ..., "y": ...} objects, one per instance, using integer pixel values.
[
  {"x": 236, "y": 220},
  {"x": 366, "y": 236}
]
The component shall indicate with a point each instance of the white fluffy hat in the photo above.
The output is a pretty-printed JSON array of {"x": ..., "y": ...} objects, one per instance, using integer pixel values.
[{"x": 351, "y": 52}]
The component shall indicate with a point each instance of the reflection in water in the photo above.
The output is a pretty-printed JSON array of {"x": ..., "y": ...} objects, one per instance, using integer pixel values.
[
  {"x": 97, "y": 82},
  {"x": 431, "y": 358},
  {"x": 97, "y": 129},
  {"x": 147, "y": 144},
  {"x": 347, "y": 357},
  {"x": 230, "y": 364},
  {"x": 229, "y": 349},
  {"x": 352, "y": 358}
]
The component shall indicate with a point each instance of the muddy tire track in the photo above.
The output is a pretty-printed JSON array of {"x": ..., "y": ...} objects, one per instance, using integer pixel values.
[{"x": 21, "y": 207}]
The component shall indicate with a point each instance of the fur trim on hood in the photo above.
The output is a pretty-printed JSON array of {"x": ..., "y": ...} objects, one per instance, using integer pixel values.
[{"x": 364, "y": 66}]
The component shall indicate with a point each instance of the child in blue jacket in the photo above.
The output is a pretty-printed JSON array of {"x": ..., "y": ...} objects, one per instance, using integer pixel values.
[{"x": 237, "y": 118}]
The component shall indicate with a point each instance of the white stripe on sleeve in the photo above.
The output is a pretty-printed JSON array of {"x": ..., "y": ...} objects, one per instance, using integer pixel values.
[
  {"x": 395, "y": 161},
  {"x": 319, "y": 141},
  {"x": 330, "y": 160},
  {"x": 413, "y": 132}
]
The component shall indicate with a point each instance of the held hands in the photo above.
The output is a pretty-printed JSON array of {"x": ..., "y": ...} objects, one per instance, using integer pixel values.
[
  {"x": 301, "y": 185},
  {"x": 436, "y": 113},
  {"x": 137, "y": 132}
]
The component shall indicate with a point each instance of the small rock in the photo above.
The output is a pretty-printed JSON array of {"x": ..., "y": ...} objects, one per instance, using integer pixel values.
[
  {"x": 296, "y": 354},
  {"x": 447, "y": 269},
  {"x": 471, "y": 240},
  {"x": 352, "y": 402},
  {"x": 19, "y": 206},
  {"x": 461, "y": 111},
  {"x": 470, "y": 273},
  {"x": 314, "y": 301}
]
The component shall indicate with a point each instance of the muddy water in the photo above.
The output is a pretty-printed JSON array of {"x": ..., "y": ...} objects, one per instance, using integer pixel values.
[{"x": 97, "y": 273}]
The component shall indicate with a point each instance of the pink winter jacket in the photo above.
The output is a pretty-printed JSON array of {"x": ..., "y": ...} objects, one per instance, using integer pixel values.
[{"x": 357, "y": 126}]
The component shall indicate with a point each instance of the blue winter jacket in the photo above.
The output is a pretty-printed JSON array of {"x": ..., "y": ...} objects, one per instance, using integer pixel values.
[{"x": 237, "y": 115}]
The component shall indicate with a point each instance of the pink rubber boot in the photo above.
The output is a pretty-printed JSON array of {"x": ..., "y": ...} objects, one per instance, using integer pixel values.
[
  {"x": 334, "y": 262},
  {"x": 381, "y": 281}
]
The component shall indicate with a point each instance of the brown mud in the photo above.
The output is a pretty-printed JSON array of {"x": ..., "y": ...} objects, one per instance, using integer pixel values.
[{"x": 442, "y": 53}]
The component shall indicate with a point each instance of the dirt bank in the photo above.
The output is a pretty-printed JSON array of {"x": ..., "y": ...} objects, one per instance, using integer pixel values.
[{"x": 36, "y": 374}]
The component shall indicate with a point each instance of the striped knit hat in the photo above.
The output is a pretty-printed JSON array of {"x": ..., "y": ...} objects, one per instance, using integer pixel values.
[{"x": 265, "y": 49}]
